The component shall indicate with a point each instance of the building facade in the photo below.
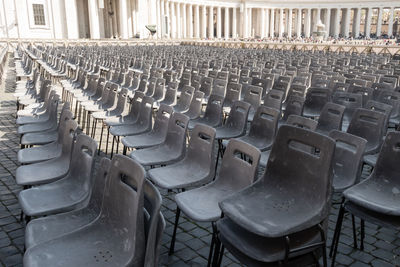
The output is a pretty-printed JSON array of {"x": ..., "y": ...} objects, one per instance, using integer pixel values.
[{"x": 207, "y": 19}]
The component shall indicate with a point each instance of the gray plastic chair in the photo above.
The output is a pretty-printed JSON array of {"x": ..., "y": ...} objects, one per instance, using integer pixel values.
[
  {"x": 351, "y": 101},
  {"x": 133, "y": 114},
  {"x": 36, "y": 115},
  {"x": 171, "y": 150},
  {"x": 383, "y": 108},
  {"x": 288, "y": 169},
  {"x": 274, "y": 99},
  {"x": 196, "y": 168},
  {"x": 185, "y": 99},
  {"x": 376, "y": 198},
  {"x": 206, "y": 86},
  {"x": 71, "y": 192},
  {"x": 41, "y": 138},
  {"x": 170, "y": 98},
  {"x": 195, "y": 107},
  {"x": 116, "y": 237},
  {"x": 316, "y": 98},
  {"x": 347, "y": 160},
  {"x": 213, "y": 114},
  {"x": 51, "y": 150},
  {"x": 253, "y": 97},
  {"x": 48, "y": 228},
  {"x": 233, "y": 92},
  {"x": 331, "y": 118},
  {"x": 368, "y": 124},
  {"x": 50, "y": 170},
  {"x": 156, "y": 136},
  {"x": 263, "y": 128},
  {"x": 294, "y": 106},
  {"x": 201, "y": 204},
  {"x": 219, "y": 87}
]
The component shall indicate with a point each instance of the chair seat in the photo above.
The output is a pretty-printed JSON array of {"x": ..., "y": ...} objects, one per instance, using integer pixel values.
[
  {"x": 57, "y": 197},
  {"x": 179, "y": 175},
  {"x": 31, "y": 110},
  {"x": 264, "y": 158},
  {"x": 32, "y": 119},
  {"x": 48, "y": 228},
  {"x": 39, "y": 153},
  {"x": 379, "y": 196},
  {"x": 371, "y": 159},
  {"x": 39, "y": 138},
  {"x": 94, "y": 245},
  {"x": 143, "y": 140},
  {"x": 114, "y": 121},
  {"x": 37, "y": 127},
  {"x": 129, "y": 129},
  {"x": 227, "y": 133},
  {"x": 42, "y": 172},
  {"x": 193, "y": 123},
  {"x": 263, "y": 249},
  {"x": 156, "y": 155},
  {"x": 201, "y": 204}
]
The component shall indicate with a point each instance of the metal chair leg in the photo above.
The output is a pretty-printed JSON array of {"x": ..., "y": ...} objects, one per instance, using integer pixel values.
[
  {"x": 172, "y": 246},
  {"x": 339, "y": 228}
]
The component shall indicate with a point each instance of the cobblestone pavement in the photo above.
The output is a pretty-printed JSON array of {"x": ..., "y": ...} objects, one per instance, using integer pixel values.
[{"x": 382, "y": 246}]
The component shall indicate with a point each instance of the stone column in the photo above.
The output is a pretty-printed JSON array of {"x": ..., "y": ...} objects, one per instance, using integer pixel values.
[
  {"x": 327, "y": 21},
  {"x": 390, "y": 29},
  {"x": 219, "y": 24},
  {"x": 162, "y": 19},
  {"x": 234, "y": 23},
  {"x": 262, "y": 30},
  {"x": 299, "y": 22},
  {"x": 379, "y": 25},
  {"x": 158, "y": 19},
  {"x": 307, "y": 24},
  {"x": 337, "y": 23},
  {"x": 204, "y": 23},
  {"x": 347, "y": 23},
  {"x": 184, "y": 23},
  {"x": 178, "y": 20},
  {"x": 245, "y": 23},
  {"x": 250, "y": 22},
  {"x": 290, "y": 19},
  {"x": 226, "y": 22},
  {"x": 281, "y": 23},
  {"x": 123, "y": 19},
  {"x": 368, "y": 20},
  {"x": 266, "y": 22},
  {"x": 357, "y": 22},
  {"x": 94, "y": 21},
  {"x": 197, "y": 21},
  {"x": 272, "y": 24},
  {"x": 72, "y": 19},
  {"x": 190, "y": 21},
  {"x": 173, "y": 20},
  {"x": 317, "y": 18},
  {"x": 211, "y": 23}
]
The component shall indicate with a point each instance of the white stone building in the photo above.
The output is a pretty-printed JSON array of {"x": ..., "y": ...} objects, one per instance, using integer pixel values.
[{"x": 125, "y": 19}]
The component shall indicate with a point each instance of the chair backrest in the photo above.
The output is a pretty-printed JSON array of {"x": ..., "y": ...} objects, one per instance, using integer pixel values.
[
  {"x": 176, "y": 133},
  {"x": 186, "y": 97},
  {"x": 219, "y": 87},
  {"x": 351, "y": 102},
  {"x": 235, "y": 171},
  {"x": 145, "y": 113},
  {"x": 123, "y": 205},
  {"x": 233, "y": 92},
  {"x": 253, "y": 96},
  {"x": 316, "y": 98},
  {"x": 368, "y": 124},
  {"x": 201, "y": 150},
  {"x": 347, "y": 160},
  {"x": 265, "y": 84},
  {"x": 82, "y": 160},
  {"x": 264, "y": 126},
  {"x": 381, "y": 107},
  {"x": 238, "y": 116},
  {"x": 214, "y": 109},
  {"x": 161, "y": 120},
  {"x": 96, "y": 198},
  {"x": 387, "y": 165},
  {"x": 294, "y": 106},
  {"x": 206, "y": 85},
  {"x": 136, "y": 104},
  {"x": 366, "y": 92},
  {"x": 302, "y": 122},
  {"x": 170, "y": 96},
  {"x": 195, "y": 107},
  {"x": 274, "y": 99},
  {"x": 331, "y": 118},
  {"x": 154, "y": 224}
]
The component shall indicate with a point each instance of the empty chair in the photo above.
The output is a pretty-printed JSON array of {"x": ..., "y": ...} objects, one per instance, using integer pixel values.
[
  {"x": 70, "y": 192},
  {"x": 195, "y": 107},
  {"x": 316, "y": 98},
  {"x": 206, "y": 86},
  {"x": 219, "y": 87},
  {"x": 51, "y": 150},
  {"x": 201, "y": 204},
  {"x": 233, "y": 92},
  {"x": 368, "y": 124},
  {"x": 290, "y": 170},
  {"x": 383, "y": 108},
  {"x": 213, "y": 113},
  {"x": 132, "y": 115},
  {"x": 294, "y": 106},
  {"x": 253, "y": 97},
  {"x": 351, "y": 101},
  {"x": 185, "y": 99},
  {"x": 196, "y": 168},
  {"x": 170, "y": 96},
  {"x": 114, "y": 234},
  {"x": 274, "y": 99},
  {"x": 51, "y": 227},
  {"x": 331, "y": 118},
  {"x": 156, "y": 136},
  {"x": 52, "y": 169},
  {"x": 366, "y": 92},
  {"x": 171, "y": 150},
  {"x": 375, "y": 199},
  {"x": 265, "y": 84}
]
